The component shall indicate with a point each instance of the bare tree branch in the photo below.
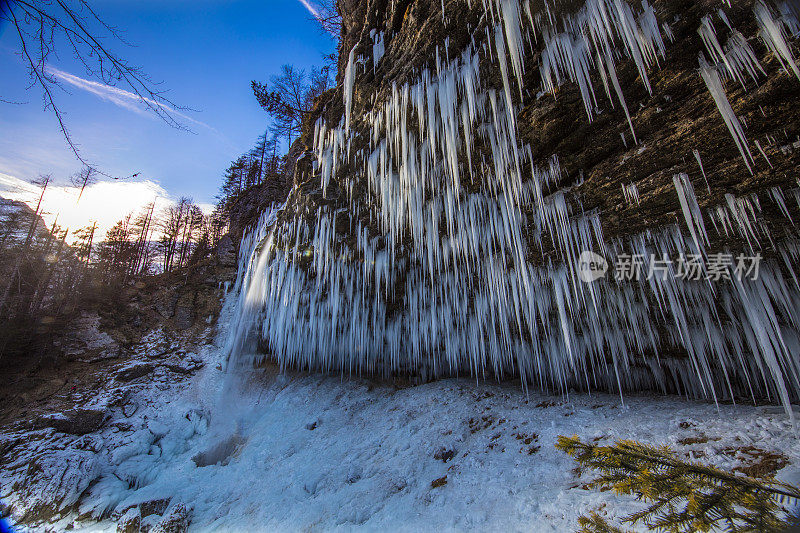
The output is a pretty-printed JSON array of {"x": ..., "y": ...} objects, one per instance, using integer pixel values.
[
  {"x": 329, "y": 18},
  {"x": 43, "y": 27}
]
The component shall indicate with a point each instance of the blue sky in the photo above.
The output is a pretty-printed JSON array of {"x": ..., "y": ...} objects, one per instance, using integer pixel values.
[{"x": 205, "y": 52}]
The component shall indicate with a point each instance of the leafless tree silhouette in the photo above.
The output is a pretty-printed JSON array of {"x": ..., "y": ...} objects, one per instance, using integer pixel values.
[
  {"x": 44, "y": 28},
  {"x": 329, "y": 18}
]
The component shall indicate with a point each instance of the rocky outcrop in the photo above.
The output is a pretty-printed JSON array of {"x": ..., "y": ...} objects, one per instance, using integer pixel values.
[
  {"x": 62, "y": 445},
  {"x": 130, "y": 522},
  {"x": 226, "y": 252},
  {"x": 475, "y": 150},
  {"x": 175, "y": 521},
  {"x": 75, "y": 421},
  {"x": 248, "y": 206}
]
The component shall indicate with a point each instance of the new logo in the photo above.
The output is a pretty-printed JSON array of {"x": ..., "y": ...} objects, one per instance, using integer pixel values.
[{"x": 591, "y": 267}]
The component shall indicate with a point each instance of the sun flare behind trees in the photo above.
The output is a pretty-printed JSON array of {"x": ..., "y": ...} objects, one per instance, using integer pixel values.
[{"x": 51, "y": 273}]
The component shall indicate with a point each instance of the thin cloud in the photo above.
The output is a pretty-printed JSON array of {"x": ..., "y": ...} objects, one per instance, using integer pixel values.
[
  {"x": 119, "y": 97},
  {"x": 317, "y": 15},
  {"x": 311, "y": 9}
]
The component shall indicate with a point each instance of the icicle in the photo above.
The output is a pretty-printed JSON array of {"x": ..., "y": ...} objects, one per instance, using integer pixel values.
[
  {"x": 434, "y": 277},
  {"x": 714, "y": 84},
  {"x": 513, "y": 31},
  {"x": 631, "y": 192},
  {"x": 691, "y": 211},
  {"x": 378, "y": 48},
  {"x": 724, "y": 18},
  {"x": 349, "y": 82},
  {"x": 702, "y": 170},
  {"x": 740, "y": 58},
  {"x": 790, "y": 15},
  {"x": 764, "y": 154},
  {"x": 774, "y": 37},
  {"x": 709, "y": 37}
]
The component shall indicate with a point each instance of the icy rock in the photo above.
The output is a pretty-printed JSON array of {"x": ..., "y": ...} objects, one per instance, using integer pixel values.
[
  {"x": 150, "y": 507},
  {"x": 154, "y": 507},
  {"x": 129, "y": 409},
  {"x": 86, "y": 338},
  {"x": 130, "y": 522},
  {"x": 220, "y": 453},
  {"x": 136, "y": 443},
  {"x": 444, "y": 454},
  {"x": 158, "y": 429},
  {"x": 175, "y": 521},
  {"x": 53, "y": 483},
  {"x": 186, "y": 367},
  {"x": 74, "y": 422},
  {"x": 93, "y": 443},
  {"x": 354, "y": 474}
]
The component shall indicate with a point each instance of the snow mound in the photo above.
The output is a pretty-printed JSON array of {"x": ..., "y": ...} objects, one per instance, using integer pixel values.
[{"x": 260, "y": 450}]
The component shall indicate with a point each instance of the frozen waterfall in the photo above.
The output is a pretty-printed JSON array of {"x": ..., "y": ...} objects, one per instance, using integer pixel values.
[{"x": 432, "y": 271}]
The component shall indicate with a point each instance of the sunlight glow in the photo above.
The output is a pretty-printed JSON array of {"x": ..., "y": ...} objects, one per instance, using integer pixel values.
[{"x": 105, "y": 202}]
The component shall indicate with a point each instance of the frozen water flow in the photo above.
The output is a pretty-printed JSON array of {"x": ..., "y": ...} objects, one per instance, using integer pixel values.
[
  {"x": 631, "y": 192},
  {"x": 424, "y": 269},
  {"x": 714, "y": 83},
  {"x": 774, "y": 35}
]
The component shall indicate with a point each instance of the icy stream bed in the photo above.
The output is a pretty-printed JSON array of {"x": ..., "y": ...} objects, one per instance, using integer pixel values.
[{"x": 256, "y": 450}]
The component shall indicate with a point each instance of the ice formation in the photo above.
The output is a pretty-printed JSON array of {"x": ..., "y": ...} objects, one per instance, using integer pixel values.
[
  {"x": 378, "y": 47},
  {"x": 774, "y": 36},
  {"x": 593, "y": 39},
  {"x": 691, "y": 210},
  {"x": 457, "y": 252},
  {"x": 349, "y": 81},
  {"x": 631, "y": 192},
  {"x": 712, "y": 79},
  {"x": 739, "y": 57},
  {"x": 699, "y": 160}
]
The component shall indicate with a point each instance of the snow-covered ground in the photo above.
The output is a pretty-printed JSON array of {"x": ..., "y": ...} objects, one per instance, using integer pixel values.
[{"x": 255, "y": 450}]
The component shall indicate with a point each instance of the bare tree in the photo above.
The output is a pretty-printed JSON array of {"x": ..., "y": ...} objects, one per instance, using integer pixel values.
[
  {"x": 43, "y": 27},
  {"x": 143, "y": 225},
  {"x": 329, "y": 18},
  {"x": 43, "y": 182},
  {"x": 87, "y": 176}
]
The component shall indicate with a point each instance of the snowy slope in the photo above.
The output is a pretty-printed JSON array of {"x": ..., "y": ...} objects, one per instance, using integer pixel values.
[{"x": 254, "y": 450}]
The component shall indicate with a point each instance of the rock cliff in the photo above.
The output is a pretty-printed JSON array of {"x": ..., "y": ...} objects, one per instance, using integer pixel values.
[{"x": 480, "y": 160}]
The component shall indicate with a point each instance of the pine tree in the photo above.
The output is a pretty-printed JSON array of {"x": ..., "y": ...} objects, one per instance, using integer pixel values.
[
  {"x": 289, "y": 98},
  {"x": 682, "y": 496}
]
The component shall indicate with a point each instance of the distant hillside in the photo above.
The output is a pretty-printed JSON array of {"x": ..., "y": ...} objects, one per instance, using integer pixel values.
[{"x": 16, "y": 219}]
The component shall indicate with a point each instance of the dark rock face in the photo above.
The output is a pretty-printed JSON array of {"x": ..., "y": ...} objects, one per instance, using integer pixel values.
[
  {"x": 130, "y": 522},
  {"x": 183, "y": 299},
  {"x": 184, "y": 312},
  {"x": 452, "y": 183},
  {"x": 154, "y": 507},
  {"x": 226, "y": 251},
  {"x": 175, "y": 521},
  {"x": 74, "y": 422},
  {"x": 135, "y": 372}
]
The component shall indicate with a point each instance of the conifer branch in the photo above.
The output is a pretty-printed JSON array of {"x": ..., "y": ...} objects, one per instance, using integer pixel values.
[{"x": 683, "y": 496}]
